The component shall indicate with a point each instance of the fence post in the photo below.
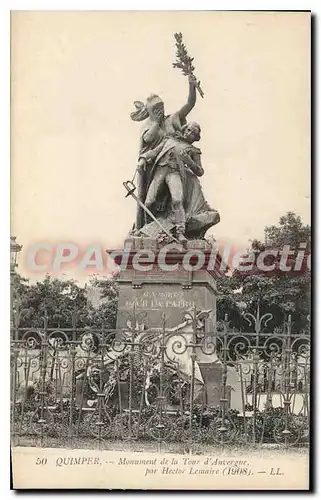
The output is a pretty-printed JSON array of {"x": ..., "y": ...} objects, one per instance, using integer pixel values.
[
  {"x": 73, "y": 352},
  {"x": 243, "y": 388},
  {"x": 14, "y": 368},
  {"x": 287, "y": 371},
  {"x": 256, "y": 359},
  {"x": 161, "y": 399},
  {"x": 131, "y": 373},
  {"x": 223, "y": 399},
  {"x": 43, "y": 372},
  {"x": 270, "y": 365},
  {"x": 193, "y": 358},
  {"x": 26, "y": 369},
  {"x": 101, "y": 394}
]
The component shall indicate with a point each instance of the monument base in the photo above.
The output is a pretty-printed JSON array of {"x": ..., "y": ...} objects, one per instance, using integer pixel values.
[
  {"x": 150, "y": 292},
  {"x": 154, "y": 290}
]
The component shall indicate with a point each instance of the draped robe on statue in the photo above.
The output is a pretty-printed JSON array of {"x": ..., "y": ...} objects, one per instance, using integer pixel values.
[{"x": 171, "y": 125}]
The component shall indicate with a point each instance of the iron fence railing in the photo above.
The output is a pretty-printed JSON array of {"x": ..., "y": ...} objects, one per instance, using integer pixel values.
[{"x": 160, "y": 385}]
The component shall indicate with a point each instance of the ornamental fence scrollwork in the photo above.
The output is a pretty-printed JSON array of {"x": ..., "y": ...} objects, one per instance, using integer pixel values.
[{"x": 78, "y": 385}]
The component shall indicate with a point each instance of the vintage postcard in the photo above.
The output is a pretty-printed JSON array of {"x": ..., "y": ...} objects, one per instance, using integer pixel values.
[{"x": 160, "y": 250}]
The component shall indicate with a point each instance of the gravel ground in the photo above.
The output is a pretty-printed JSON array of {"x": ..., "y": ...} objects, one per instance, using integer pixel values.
[{"x": 141, "y": 446}]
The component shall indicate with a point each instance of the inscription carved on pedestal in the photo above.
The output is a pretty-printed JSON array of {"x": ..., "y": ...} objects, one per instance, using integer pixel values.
[{"x": 155, "y": 300}]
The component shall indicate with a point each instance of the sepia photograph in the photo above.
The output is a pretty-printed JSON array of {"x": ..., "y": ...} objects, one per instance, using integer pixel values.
[{"x": 160, "y": 248}]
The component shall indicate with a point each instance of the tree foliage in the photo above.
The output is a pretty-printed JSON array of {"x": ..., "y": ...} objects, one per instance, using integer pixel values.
[
  {"x": 105, "y": 314},
  {"x": 58, "y": 299},
  {"x": 280, "y": 294}
]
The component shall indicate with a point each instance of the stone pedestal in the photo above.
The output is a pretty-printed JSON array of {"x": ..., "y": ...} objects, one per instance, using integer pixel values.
[
  {"x": 151, "y": 290},
  {"x": 156, "y": 291}
]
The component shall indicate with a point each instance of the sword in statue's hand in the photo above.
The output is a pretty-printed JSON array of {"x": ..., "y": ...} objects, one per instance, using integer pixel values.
[{"x": 130, "y": 188}]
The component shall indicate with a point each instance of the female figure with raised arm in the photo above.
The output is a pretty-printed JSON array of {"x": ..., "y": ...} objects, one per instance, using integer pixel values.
[{"x": 156, "y": 128}]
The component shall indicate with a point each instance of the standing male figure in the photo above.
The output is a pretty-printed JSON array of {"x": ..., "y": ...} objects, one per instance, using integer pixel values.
[{"x": 170, "y": 160}]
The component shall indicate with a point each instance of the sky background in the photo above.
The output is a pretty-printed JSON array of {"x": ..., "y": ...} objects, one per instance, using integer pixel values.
[{"x": 74, "y": 77}]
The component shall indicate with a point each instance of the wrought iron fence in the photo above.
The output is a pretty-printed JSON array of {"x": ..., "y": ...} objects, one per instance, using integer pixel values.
[{"x": 165, "y": 385}]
